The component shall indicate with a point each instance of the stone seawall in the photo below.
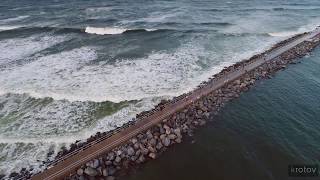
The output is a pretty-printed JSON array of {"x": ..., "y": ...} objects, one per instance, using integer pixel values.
[{"x": 150, "y": 144}]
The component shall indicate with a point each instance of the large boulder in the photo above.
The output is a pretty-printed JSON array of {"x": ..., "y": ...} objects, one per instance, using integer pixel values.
[{"x": 90, "y": 171}]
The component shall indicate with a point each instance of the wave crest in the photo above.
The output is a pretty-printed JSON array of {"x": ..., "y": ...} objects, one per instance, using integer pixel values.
[
  {"x": 111, "y": 30},
  {"x": 283, "y": 34}
]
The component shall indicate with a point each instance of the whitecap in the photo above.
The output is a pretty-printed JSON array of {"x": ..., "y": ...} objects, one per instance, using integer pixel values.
[
  {"x": 110, "y": 30},
  {"x": 6, "y": 28},
  {"x": 105, "y": 30}
]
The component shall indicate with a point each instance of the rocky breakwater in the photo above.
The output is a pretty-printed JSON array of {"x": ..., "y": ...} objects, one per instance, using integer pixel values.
[{"x": 152, "y": 143}]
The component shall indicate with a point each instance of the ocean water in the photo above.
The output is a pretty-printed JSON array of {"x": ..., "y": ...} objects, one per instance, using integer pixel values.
[
  {"x": 71, "y": 68},
  {"x": 256, "y": 136}
]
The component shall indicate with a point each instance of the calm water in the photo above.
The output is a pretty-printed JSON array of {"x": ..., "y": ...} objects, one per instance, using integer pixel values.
[
  {"x": 257, "y": 136},
  {"x": 71, "y": 68}
]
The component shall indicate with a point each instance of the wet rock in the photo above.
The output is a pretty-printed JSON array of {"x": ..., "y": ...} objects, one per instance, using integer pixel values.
[
  {"x": 141, "y": 159},
  {"x": 178, "y": 140},
  {"x": 202, "y": 122},
  {"x": 152, "y": 155}
]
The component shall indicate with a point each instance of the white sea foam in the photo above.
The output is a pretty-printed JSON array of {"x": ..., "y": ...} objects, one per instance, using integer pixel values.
[
  {"x": 67, "y": 75},
  {"x": 283, "y": 34},
  {"x": 71, "y": 74},
  {"x": 106, "y": 30},
  {"x": 13, "y": 19},
  {"x": 109, "y": 30},
  {"x": 19, "y": 48},
  {"x": 305, "y": 28},
  {"x": 6, "y": 28},
  {"x": 42, "y": 125}
]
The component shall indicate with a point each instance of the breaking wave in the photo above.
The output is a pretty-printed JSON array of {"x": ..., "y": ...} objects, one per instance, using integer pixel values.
[
  {"x": 89, "y": 30},
  {"x": 111, "y": 30}
]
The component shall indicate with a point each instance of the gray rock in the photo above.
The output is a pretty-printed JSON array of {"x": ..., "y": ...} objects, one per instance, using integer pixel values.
[
  {"x": 141, "y": 159},
  {"x": 80, "y": 172},
  {"x": 159, "y": 145},
  {"x": 168, "y": 131},
  {"x": 138, "y": 152},
  {"x": 136, "y": 146},
  {"x": 111, "y": 156},
  {"x": 149, "y": 135},
  {"x": 152, "y": 142},
  {"x": 104, "y": 172},
  {"x": 111, "y": 170},
  {"x": 172, "y": 136},
  {"x": 130, "y": 151},
  {"x": 118, "y": 159},
  {"x": 162, "y": 136},
  {"x": 119, "y": 152},
  {"x": 166, "y": 141},
  {"x": 166, "y": 127},
  {"x": 90, "y": 171},
  {"x": 95, "y": 163},
  {"x": 108, "y": 163},
  {"x": 134, "y": 140},
  {"x": 177, "y": 131},
  {"x": 152, "y": 155},
  {"x": 151, "y": 149},
  {"x": 178, "y": 140}
]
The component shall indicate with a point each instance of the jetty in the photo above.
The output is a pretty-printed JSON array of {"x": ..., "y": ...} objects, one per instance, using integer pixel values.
[{"x": 153, "y": 132}]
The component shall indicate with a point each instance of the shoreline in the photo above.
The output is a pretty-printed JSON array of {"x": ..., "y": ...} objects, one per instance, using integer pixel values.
[{"x": 153, "y": 142}]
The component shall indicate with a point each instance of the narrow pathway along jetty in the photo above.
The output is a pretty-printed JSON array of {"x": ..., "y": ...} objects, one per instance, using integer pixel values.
[{"x": 109, "y": 155}]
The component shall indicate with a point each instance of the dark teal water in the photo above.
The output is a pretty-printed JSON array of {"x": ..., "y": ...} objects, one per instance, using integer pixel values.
[{"x": 257, "y": 136}]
